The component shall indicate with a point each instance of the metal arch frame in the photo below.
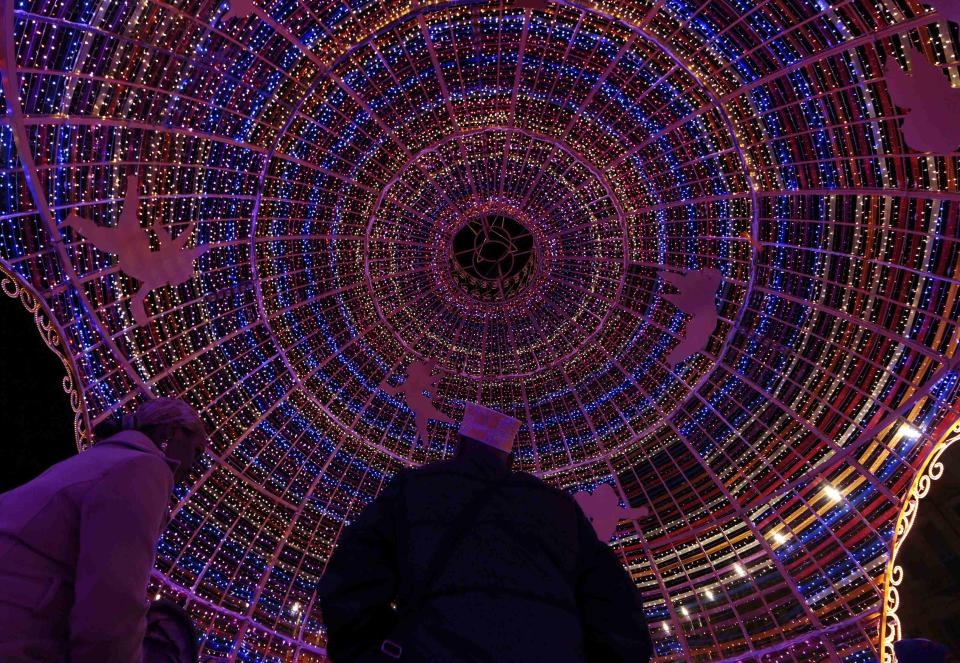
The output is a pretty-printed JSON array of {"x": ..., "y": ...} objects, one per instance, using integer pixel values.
[{"x": 16, "y": 120}]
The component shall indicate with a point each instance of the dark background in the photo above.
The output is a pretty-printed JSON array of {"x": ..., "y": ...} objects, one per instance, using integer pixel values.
[
  {"x": 38, "y": 432},
  {"x": 38, "y": 421},
  {"x": 930, "y": 557}
]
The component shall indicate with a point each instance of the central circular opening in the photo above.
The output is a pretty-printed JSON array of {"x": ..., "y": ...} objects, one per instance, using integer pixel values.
[{"x": 492, "y": 257}]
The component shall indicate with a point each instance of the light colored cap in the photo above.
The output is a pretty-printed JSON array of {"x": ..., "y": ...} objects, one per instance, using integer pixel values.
[
  {"x": 490, "y": 427},
  {"x": 160, "y": 411}
]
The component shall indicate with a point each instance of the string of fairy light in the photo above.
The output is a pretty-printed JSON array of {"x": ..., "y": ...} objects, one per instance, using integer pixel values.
[{"x": 328, "y": 153}]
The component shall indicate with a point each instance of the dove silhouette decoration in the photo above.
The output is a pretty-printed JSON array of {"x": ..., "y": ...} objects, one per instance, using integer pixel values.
[
  {"x": 420, "y": 378},
  {"x": 602, "y": 508},
  {"x": 932, "y": 123},
  {"x": 240, "y": 9},
  {"x": 697, "y": 298},
  {"x": 130, "y": 242},
  {"x": 949, "y": 9}
]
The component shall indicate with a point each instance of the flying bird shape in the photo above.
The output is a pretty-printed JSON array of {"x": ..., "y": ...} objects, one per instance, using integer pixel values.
[
  {"x": 420, "y": 379},
  {"x": 603, "y": 510},
  {"x": 697, "y": 298},
  {"x": 932, "y": 123},
  {"x": 130, "y": 242},
  {"x": 949, "y": 9},
  {"x": 240, "y": 9}
]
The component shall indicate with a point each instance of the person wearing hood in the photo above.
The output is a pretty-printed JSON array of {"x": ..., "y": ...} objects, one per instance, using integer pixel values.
[
  {"x": 77, "y": 543},
  {"x": 466, "y": 560}
]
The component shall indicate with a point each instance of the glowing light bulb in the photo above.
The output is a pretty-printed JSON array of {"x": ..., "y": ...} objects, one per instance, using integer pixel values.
[
  {"x": 833, "y": 493},
  {"x": 295, "y": 608},
  {"x": 739, "y": 569},
  {"x": 684, "y": 611},
  {"x": 910, "y": 432},
  {"x": 779, "y": 538},
  {"x": 666, "y": 627},
  {"x": 709, "y": 594}
]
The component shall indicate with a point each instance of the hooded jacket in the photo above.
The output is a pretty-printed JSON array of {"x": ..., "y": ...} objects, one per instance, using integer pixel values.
[
  {"x": 529, "y": 581},
  {"x": 76, "y": 549}
]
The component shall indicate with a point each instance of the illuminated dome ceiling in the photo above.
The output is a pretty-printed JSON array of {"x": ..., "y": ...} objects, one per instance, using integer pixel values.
[{"x": 526, "y": 193}]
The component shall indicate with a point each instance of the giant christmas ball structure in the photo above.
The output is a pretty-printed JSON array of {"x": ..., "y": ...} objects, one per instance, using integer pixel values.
[{"x": 513, "y": 190}]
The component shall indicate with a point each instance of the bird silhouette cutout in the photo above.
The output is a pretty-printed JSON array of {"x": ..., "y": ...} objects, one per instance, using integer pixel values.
[
  {"x": 240, "y": 9},
  {"x": 420, "y": 378},
  {"x": 932, "y": 123},
  {"x": 949, "y": 9},
  {"x": 697, "y": 298},
  {"x": 130, "y": 242},
  {"x": 603, "y": 510}
]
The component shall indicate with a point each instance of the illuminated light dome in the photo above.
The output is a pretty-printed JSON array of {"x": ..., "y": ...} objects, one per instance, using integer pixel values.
[{"x": 514, "y": 190}]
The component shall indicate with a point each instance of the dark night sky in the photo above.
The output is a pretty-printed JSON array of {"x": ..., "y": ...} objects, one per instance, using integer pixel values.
[{"x": 38, "y": 426}]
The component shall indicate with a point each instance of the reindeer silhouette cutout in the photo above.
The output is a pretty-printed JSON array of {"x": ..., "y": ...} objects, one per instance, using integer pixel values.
[
  {"x": 697, "y": 298},
  {"x": 932, "y": 124},
  {"x": 420, "y": 378},
  {"x": 603, "y": 510},
  {"x": 130, "y": 242}
]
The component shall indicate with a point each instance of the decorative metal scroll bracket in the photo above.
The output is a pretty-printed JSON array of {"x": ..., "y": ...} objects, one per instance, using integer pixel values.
[
  {"x": 52, "y": 334},
  {"x": 932, "y": 469}
]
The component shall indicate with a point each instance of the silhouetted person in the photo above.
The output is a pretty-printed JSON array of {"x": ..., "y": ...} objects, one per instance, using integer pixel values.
[
  {"x": 77, "y": 543},
  {"x": 483, "y": 564}
]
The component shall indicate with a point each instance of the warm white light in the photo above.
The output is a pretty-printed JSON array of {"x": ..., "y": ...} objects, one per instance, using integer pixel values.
[
  {"x": 779, "y": 538},
  {"x": 739, "y": 569},
  {"x": 910, "y": 432},
  {"x": 833, "y": 493},
  {"x": 709, "y": 594},
  {"x": 295, "y": 608},
  {"x": 666, "y": 627},
  {"x": 684, "y": 612},
  {"x": 156, "y": 596}
]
